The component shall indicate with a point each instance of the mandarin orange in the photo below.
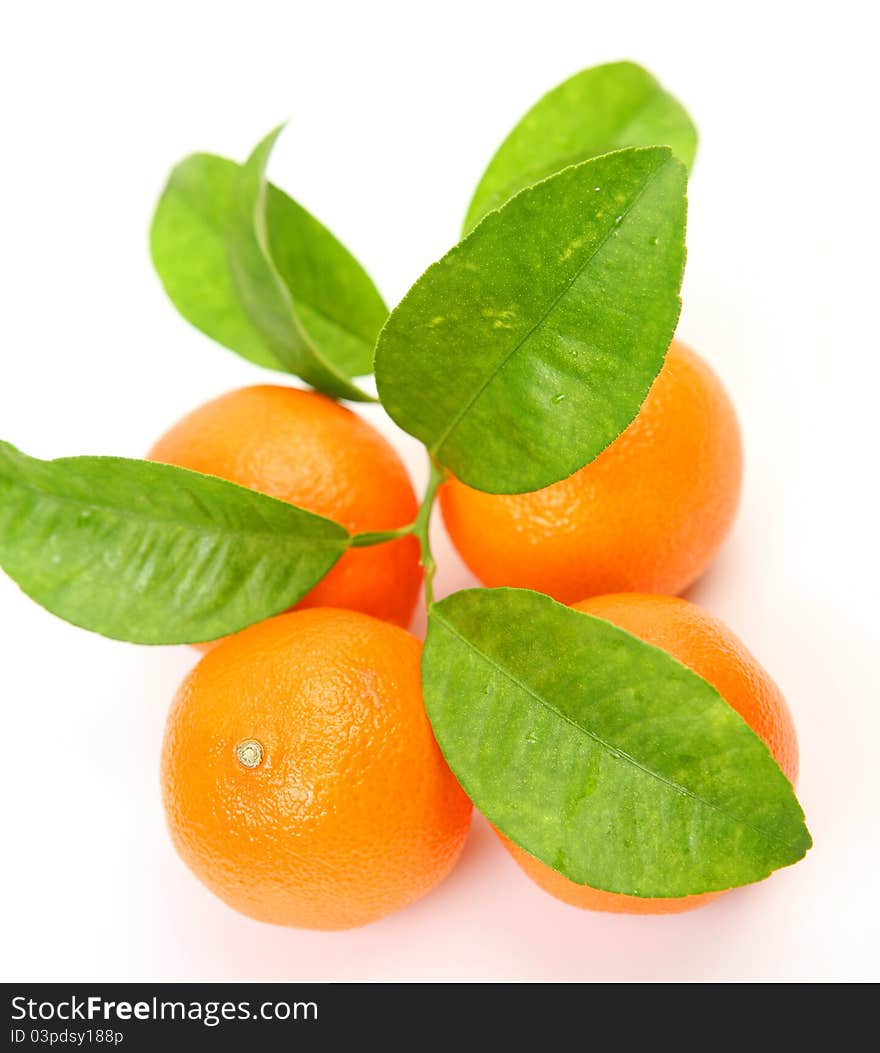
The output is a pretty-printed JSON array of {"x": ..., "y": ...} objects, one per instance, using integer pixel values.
[
  {"x": 647, "y": 515},
  {"x": 301, "y": 779}
]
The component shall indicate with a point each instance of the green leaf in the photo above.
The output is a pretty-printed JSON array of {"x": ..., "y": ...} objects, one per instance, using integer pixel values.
[
  {"x": 261, "y": 291},
  {"x": 151, "y": 553},
  {"x": 531, "y": 345},
  {"x": 335, "y": 301},
  {"x": 599, "y": 754},
  {"x": 594, "y": 112},
  {"x": 188, "y": 247},
  {"x": 337, "y": 305}
]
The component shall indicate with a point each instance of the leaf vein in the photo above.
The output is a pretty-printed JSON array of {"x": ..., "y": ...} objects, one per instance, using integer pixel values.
[{"x": 212, "y": 530}]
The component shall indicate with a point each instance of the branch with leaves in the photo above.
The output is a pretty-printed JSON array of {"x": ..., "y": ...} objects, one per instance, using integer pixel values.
[{"x": 516, "y": 359}]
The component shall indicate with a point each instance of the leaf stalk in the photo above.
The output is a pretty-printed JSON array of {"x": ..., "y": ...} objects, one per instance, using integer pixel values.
[{"x": 422, "y": 527}]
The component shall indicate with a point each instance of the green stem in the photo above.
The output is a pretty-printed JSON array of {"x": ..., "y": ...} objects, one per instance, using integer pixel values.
[{"x": 421, "y": 528}]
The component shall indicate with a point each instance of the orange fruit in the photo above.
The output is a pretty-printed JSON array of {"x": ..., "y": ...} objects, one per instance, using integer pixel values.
[
  {"x": 709, "y": 648},
  {"x": 307, "y": 449},
  {"x": 646, "y": 516},
  {"x": 301, "y": 780}
]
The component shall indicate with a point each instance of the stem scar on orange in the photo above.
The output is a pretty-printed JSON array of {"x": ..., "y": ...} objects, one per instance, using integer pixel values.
[
  {"x": 711, "y": 650},
  {"x": 647, "y": 515},
  {"x": 301, "y": 779},
  {"x": 304, "y": 448}
]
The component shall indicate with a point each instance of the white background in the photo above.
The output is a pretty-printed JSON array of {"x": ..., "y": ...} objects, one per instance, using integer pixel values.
[{"x": 394, "y": 112}]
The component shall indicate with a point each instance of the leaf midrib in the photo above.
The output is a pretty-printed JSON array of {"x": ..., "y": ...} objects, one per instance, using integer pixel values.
[
  {"x": 614, "y": 750},
  {"x": 459, "y": 417},
  {"x": 329, "y": 320},
  {"x": 216, "y": 531}
]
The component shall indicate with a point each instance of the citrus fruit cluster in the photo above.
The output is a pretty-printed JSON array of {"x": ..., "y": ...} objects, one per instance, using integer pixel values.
[
  {"x": 321, "y": 764},
  {"x": 350, "y": 811}
]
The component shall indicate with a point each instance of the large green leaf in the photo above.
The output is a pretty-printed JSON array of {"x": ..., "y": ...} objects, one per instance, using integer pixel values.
[
  {"x": 601, "y": 755},
  {"x": 531, "y": 345},
  {"x": 595, "y": 111},
  {"x": 260, "y": 287},
  {"x": 151, "y": 553},
  {"x": 336, "y": 303}
]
